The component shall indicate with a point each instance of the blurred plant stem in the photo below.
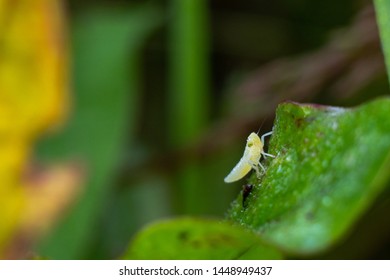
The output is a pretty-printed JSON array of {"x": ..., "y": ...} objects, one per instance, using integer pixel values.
[
  {"x": 382, "y": 8},
  {"x": 106, "y": 43},
  {"x": 189, "y": 96}
]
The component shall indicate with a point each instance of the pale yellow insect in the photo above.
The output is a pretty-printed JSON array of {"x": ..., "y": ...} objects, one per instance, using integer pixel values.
[{"x": 250, "y": 159}]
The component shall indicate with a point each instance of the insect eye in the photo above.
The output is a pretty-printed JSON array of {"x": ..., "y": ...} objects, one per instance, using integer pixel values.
[{"x": 250, "y": 144}]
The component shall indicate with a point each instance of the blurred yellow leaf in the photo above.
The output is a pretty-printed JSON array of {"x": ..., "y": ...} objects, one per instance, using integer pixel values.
[{"x": 33, "y": 95}]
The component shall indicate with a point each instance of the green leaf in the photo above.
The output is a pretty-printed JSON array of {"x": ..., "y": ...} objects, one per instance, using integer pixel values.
[
  {"x": 382, "y": 8},
  {"x": 191, "y": 238},
  {"x": 330, "y": 165}
]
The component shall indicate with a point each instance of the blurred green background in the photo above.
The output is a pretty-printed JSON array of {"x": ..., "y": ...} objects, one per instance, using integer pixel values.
[{"x": 166, "y": 92}]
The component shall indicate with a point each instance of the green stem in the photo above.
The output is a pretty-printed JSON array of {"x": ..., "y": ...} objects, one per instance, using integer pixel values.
[{"x": 189, "y": 96}]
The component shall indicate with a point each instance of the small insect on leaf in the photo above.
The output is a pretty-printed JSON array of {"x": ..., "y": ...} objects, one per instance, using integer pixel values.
[
  {"x": 251, "y": 158},
  {"x": 246, "y": 191}
]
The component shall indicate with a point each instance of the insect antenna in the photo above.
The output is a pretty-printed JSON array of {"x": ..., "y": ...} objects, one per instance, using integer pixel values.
[{"x": 261, "y": 126}]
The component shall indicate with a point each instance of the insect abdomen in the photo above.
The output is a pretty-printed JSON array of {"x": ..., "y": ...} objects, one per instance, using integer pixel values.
[{"x": 240, "y": 170}]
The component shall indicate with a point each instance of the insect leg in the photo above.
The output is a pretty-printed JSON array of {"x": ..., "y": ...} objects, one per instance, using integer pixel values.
[
  {"x": 264, "y": 135},
  {"x": 262, "y": 167},
  {"x": 255, "y": 167},
  {"x": 268, "y": 155}
]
